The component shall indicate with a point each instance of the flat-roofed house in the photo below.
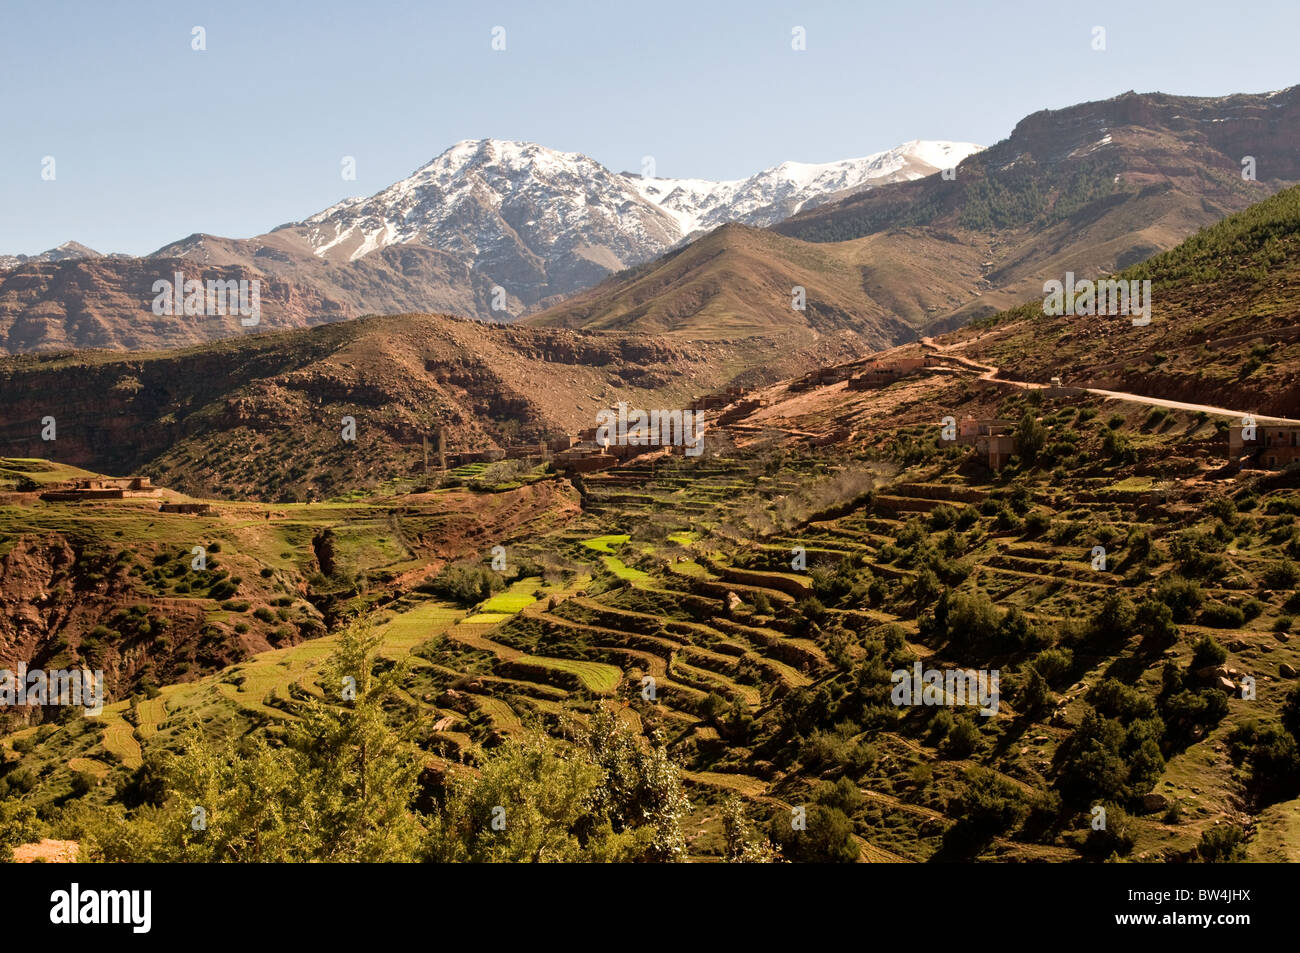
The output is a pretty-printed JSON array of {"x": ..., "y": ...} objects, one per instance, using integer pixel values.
[{"x": 1273, "y": 447}]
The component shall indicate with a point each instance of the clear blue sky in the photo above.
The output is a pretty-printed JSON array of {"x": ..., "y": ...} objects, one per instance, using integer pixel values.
[{"x": 154, "y": 141}]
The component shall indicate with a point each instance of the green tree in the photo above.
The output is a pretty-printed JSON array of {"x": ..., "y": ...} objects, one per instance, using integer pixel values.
[
  {"x": 1224, "y": 844},
  {"x": 18, "y": 825},
  {"x": 360, "y": 769},
  {"x": 745, "y": 845},
  {"x": 339, "y": 788},
  {"x": 525, "y": 807},
  {"x": 827, "y": 837},
  {"x": 1035, "y": 694},
  {"x": 1030, "y": 437},
  {"x": 603, "y": 798}
]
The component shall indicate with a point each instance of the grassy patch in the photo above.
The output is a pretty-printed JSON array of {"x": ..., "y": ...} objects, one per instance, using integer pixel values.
[{"x": 603, "y": 544}]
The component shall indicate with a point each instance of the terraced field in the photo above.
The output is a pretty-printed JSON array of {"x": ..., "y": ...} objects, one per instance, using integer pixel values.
[
  {"x": 149, "y": 714},
  {"x": 673, "y": 596},
  {"x": 119, "y": 738}
]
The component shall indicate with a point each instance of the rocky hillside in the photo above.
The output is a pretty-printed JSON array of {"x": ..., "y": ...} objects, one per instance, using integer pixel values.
[
  {"x": 1090, "y": 189},
  {"x": 261, "y": 416},
  {"x": 1225, "y": 322}
]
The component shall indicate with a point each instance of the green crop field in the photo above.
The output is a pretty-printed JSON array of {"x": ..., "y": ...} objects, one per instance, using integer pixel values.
[
  {"x": 119, "y": 739},
  {"x": 595, "y": 676},
  {"x": 515, "y": 599},
  {"x": 623, "y": 571},
  {"x": 605, "y": 544}
]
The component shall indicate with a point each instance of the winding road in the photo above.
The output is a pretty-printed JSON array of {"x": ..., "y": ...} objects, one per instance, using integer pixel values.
[{"x": 988, "y": 372}]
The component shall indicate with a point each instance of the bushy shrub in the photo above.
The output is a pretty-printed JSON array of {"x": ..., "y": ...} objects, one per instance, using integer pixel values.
[
  {"x": 963, "y": 739},
  {"x": 827, "y": 839},
  {"x": 1283, "y": 574},
  {"x": 1222, "y": 616},
  {"x": 1116, "y": 618},
  {"x": 1197, "y": 554},
  {"x": 1187, "y": 712},
  {"x": 1117, "y": 446},
  {"x": 1117, "y": 837},
  {"x": 1207, "y": 653},
  {"x": 465, "y": 583},
  {"x": 1054, "y": 664},
  {"x": 988, "y": 806},
  {"x": 1105, "y": 759},
  {"x": 943, "y": 516},
  {"x": 1155, "y": 620},
  {"x": 1114, "y": 699},
  {"x": 1037, "y": 523},
  {"x": 1225, "y": 844},
  {"x": 1183, "y": 596}
]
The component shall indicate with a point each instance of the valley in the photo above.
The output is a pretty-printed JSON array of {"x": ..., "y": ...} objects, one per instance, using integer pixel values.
[
  {"x": 935, "y": 506},
  {"x": 741, "y": 613}
]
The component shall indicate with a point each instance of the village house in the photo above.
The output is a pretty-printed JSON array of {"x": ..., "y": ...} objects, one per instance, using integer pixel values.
[
  {"x": 1274, "y": 447},
  {"x": 884, "y": 373},
  {"x": 583, "y": 457},
  {"x": 996, "y": 449},
  {"x": 742, "y": 409},
  {"x": 197, "y": 509},
  {"x": 101, "y": 488},
  {"x": 820, "y": 378},
  {"x": 462, "y": 457},
  {"x": 993, "y": 439},
  {"x": 718, "y": 400},
  {"x": 970, "y": 429}
]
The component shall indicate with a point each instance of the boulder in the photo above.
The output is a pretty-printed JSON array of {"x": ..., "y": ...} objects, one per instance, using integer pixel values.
[
  {"x": 1286, "y": 671},
  {"x": 1154, "y": 802}
]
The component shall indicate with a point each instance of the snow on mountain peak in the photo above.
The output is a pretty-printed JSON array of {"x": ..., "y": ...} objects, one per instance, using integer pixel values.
[
  {"x": 485, "y": 194},
  {"x": 767, "y": 197}
]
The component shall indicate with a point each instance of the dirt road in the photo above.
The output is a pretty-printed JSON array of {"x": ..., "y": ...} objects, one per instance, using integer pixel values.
[{"x": 988, "y": 372}]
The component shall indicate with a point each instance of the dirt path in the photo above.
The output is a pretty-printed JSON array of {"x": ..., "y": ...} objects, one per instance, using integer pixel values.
[
  {"x": 989, "y": 372},
  {"x": 1196, "y": 408},
  {"x": 47, "y": 851}
]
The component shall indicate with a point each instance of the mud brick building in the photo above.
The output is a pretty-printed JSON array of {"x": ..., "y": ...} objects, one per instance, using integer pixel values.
[
  {"x": 100, "y": 488},
  {"x": 884, "y": 373},
  {"x": 1274, "y": 447},
  {"x": 994, "y": 440}
]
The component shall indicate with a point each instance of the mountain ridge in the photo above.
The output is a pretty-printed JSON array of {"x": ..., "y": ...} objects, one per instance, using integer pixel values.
[
  {"x": 1092, "y": 188},
  {"x": 490, "y": 229}
]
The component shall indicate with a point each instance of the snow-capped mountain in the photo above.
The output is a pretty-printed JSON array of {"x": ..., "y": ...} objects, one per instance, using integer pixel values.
[
  {"x": 767, "y": 197},
  {"x": 542, "y": 220},
  {"x": 68, "y": 251},
  {"x": 531, "y": 217}
]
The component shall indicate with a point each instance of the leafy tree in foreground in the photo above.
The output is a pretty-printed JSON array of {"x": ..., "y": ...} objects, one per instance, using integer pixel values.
[
  {"x": 745, "y": 845},
  {"x": 343, "y": 782},
  {"x": 338, "y": 789},
  {"x": 605, "y": 798}
]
